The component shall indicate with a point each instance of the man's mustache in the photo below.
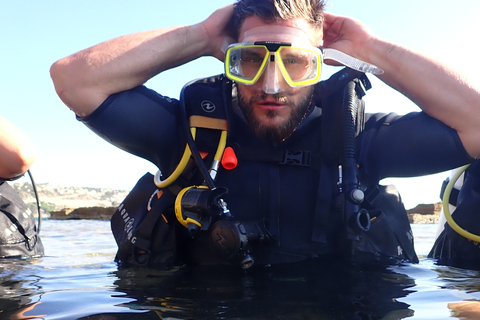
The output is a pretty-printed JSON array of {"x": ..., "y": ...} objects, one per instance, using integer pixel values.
[{"x": 277, "y": 97}]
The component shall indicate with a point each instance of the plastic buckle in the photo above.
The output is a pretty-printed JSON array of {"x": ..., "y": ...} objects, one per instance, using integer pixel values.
[{"x": 296, "y": 158}]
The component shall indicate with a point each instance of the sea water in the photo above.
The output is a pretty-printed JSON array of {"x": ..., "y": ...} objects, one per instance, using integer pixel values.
[{"x": 77, "y": 279}]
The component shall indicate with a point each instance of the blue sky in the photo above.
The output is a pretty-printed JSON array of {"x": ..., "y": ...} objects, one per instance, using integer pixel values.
[{"x": 34, "y": 34}]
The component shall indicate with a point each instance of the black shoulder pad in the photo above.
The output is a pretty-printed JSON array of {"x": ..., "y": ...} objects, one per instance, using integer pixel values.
[
  {"x": 339, "y": 80},
  {"x": 208, "y": 97}
]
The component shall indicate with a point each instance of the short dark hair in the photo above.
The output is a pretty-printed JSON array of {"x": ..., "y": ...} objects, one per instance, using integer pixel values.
[{"x": 271, "y": 11}]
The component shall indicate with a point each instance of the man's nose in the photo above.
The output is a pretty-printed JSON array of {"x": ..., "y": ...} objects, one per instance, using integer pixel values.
[{"x": 273, "y": 81}]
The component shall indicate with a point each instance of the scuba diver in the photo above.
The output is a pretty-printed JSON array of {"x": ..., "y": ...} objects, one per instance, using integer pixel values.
[
  {"x": 18, "y": 231},
  {"x": 257, "y": 165},
  {"x": 458, "y": 234}
]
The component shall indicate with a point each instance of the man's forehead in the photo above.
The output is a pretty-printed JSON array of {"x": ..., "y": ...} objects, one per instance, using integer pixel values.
[
  {"x": 275, "y": 33},
  {"x": 295, "y": 31}
]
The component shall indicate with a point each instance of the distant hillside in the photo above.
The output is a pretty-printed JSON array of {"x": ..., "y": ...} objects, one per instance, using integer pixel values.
[{"x": 55, "y": 198}]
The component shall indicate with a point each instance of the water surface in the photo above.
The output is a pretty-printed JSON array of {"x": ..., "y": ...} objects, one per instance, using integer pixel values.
[{"x": 77, "y": 279}]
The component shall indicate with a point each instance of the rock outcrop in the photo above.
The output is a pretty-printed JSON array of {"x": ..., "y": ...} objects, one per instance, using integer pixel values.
[
  {"x": 56, "y": 198},
  {"x": 425, "y": 213},
  {"x": 97, "y": 213}
]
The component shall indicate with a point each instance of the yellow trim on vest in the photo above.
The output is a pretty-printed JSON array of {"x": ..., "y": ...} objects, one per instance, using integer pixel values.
[{"x": 208, "y": 123}]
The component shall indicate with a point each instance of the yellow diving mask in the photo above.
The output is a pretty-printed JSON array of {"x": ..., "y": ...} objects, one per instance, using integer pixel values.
[{"x": 299, "y": 65}]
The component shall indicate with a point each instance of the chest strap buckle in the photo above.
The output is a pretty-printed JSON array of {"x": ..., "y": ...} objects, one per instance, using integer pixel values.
[{"x": 296, "y": 158}]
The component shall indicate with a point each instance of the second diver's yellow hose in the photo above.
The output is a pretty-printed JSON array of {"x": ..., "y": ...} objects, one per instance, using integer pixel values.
[{"x": 446, "y": 199}]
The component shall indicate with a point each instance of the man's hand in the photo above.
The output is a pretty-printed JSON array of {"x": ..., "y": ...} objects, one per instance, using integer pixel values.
[
  {"x": 435, "y": 88},
  {"x": 220, "y": 30},
  {"x": 347, "y": 35}
]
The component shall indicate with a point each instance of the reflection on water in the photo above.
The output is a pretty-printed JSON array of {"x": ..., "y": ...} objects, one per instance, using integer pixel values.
[
  {"x": 78, "y": 280},
  {"x": 299, "y": 291}
]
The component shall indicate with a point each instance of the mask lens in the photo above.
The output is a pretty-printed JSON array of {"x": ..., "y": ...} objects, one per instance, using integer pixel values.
[
  {"x": 300, "y": 66},
  {"x": 245, "y": 63}
]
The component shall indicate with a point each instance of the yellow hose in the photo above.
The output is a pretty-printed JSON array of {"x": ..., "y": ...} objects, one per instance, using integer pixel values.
[
  {"x": 446, "y": 199},
  {"x": 221, "y": 146},
  {"x": 181, "y": 166}
]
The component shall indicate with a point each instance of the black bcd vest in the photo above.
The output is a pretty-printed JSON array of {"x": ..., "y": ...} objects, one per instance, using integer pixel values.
[{"x": 19, "y": 232}]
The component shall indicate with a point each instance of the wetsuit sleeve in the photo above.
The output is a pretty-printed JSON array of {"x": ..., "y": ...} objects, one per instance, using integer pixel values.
[
  {"x": 142, "y": 122},
  {"x": 2, "y": 180},
  {"x": 406, "y": 146}
]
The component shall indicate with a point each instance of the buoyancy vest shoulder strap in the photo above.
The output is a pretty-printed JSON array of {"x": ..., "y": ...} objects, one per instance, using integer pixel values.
[
  {"x": 339, "y": 119},
  {"x": 391, "y": 234},
  {"x": 330, "y": 94},
  {"x": 206, "y": 101}
]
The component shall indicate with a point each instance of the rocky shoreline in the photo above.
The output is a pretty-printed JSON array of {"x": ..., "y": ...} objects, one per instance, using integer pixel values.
[
  {"x": 93, "y": 213},
  {"x": 425, "y": 213},
  {"x": 422, "y": 213},
  {"x": 68, "y": 203}
]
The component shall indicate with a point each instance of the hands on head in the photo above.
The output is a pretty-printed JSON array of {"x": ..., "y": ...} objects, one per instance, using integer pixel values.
[
  {"x": 346, "y": 35},
  {"x": 220, "y": 31},
  {"x": 341, "y": 33},
  {"x": 137, "y": 58}
]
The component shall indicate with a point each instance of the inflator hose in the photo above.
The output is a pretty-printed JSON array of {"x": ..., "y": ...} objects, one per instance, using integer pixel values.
[
  {"x": 355, "y": 218},
  {"x": 178, "y": 171}
]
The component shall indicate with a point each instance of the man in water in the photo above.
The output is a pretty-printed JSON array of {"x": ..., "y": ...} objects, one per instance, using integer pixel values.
[{"x": 271, "y": 52}]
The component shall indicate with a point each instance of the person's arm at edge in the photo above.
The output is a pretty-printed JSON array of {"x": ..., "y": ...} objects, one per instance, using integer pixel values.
[
  {"x": 436, "y": 89},
  {"x": 17, "y": 152},
  {"x": 85, "y": 79}
]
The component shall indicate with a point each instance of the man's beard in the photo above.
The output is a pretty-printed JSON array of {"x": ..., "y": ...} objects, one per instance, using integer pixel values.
[{"x": 279, "y": 132}]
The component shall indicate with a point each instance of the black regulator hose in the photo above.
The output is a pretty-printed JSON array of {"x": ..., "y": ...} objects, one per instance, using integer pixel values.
[{"x": 38, "y": 202}]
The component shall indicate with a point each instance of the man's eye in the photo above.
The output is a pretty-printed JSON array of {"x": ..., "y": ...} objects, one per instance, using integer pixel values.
[
  {"x": 290, "y": 61},
  {"x": 294, "y": 60},
  {"x": 252, "y": 60}
]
